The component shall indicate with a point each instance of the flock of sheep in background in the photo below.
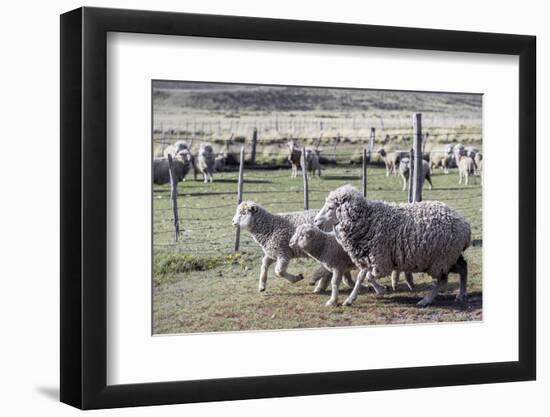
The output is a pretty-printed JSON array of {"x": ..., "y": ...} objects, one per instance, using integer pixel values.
[{"x": 206, "y": 162}]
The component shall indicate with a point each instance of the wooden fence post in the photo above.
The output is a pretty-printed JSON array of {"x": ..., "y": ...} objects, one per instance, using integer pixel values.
[
  {"x": 364, "y": 176},
  {"x": 417, "y": 146},
  {"x": 239, "y": 197},
  {"x": 253, "y": 146},
  {"x": 304, "y": 174},
  {"x": 411, "y": 169},
  {"x": 371, "y": 140},
  {"x": 174, "y": 196}
]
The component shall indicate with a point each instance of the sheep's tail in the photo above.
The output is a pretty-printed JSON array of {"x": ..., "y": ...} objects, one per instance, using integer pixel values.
[{"x": 319, "y": 273}]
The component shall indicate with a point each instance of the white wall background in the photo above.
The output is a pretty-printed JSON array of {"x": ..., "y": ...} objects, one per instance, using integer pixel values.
[{"x": 29, "y": 219}]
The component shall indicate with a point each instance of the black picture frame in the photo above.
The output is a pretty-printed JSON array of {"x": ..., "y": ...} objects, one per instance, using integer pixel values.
[{"x": 84, "y": 207}]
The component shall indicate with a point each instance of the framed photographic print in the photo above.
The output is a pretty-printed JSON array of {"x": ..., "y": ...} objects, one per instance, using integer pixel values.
[{"x": 257, "y": 208}]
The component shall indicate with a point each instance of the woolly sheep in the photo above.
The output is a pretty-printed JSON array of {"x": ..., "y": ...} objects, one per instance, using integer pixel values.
[
  {"x": 175, "y": 149},
  {"x": 466, "y": 169},
  {"x": 380, "y": 237},
  {"x": 441, "y": 159},
  {"x": 391, "y": 160},
  {"x": 479, "y": 164},
  {"x": 404, "y": 171},
  {"x": 219, "y": 162},
  {"x": 161, "y": 170},
  {"x": 180, "y": 150},
  {"x": 294, "y": 157},
  {"x": 324, "y": 248},
  {"x": 206, "y": 161},
  {"x": 312, "y": 161},
  {"x": 273, "y": 232},
  {"x": 458, "y": 151}
]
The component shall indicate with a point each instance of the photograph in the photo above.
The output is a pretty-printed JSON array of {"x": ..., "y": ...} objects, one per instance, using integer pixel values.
[{"x": 280, "y": 207}]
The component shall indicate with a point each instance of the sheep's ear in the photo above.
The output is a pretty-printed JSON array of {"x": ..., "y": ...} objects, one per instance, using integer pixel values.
[
  {"x": 309, "y": 234},
  {"x": 253, "y": 208}
]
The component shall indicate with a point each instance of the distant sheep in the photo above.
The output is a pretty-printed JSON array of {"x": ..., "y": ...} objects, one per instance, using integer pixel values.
[
  {"x": 458, "y": 151},
  {"x": 404, "y": 171},
  {"x": 312, "y": 161},
  {"x": 442, "y": 159},
  {"x": 381, "y": 237},
  {"x": 466, "y": 169},
  {"x": 180, "y": 150},
  {"x": 273, "y": 233},
  {"x": 391, "y": 160},
  {"x": 294, "y": 157},
  {"x": 220, "y": 161},
  {"x": 206, "y": 161},
  {"x": 479, "y": 164},
  {"x": 161, "y": 170}
]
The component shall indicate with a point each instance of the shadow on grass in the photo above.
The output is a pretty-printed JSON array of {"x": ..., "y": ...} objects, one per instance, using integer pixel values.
[{"x": 445, "y": 301}]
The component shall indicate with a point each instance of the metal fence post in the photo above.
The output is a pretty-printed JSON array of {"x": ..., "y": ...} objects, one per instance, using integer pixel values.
[
  {"x": 304, "y": 174},
  {"x": 174, "y": 196},
  {"x": 239, "y": 197}
]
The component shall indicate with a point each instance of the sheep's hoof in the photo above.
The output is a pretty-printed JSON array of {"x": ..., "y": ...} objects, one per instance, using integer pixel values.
[
  {"x": 317, "y": 290},
  {"x": 424, "y": 303},
  {"x": 332, "y": 303},
  {"x": 348, "y": 301},
  {"x": 299, "y": 277},
  {"x": 460, "y": 298},
  {"x": 262, "y": 288}
]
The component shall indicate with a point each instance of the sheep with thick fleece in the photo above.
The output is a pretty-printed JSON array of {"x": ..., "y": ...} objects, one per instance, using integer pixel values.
[
  {"x": 273, "y": 233},
  {"x": 294, "y": 157},
  {"x": 161, "y": 170},
  {"x": 466, "y": 169},
  {"x": 380, "y": 237},
  {"x": 312, "y": 161},
  {"x": 324, "y": 248},
  {"x": 391, "y": 160},
  {"x": 206, "y": 161},
  {"x": 404, "y": 171}
]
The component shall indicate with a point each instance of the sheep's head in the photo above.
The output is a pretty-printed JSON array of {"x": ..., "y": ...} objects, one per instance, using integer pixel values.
[
  {"x": 382, "y": 152},
  {"x": 303, "y": 236},
  {"x": 185, "y": 155},
  {"x": 328, "y": 216},
  {"x": 206, "y": 149},
  {"x": 180, "y": 145},
  {"x": 245, "y": 213}
]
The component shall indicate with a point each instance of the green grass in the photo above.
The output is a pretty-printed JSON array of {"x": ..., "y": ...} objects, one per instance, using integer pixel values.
[{"x": 201, "y": 285}]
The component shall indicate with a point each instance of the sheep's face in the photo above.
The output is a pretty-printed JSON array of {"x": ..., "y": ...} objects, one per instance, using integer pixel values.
[
  {"x": 244, "y": 216},
  {"x": 326, "y": 218},
  {"x": 382, "y": 152},
  {"x": 302, "y": 237}
]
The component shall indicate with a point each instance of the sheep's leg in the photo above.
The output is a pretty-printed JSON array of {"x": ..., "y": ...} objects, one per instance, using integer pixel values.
[
  {"x": 429, "y": 179},
  {"x": 280, "y": 271},
  {"x": 371, "y": 278},
  {"x": 358, "y": 281},
  {"x": 394, "y": 279},
  {"x": 351, "y": 283},
  {"x": 410, "y": 281},
  {"x": 335, "y": 284},
  {"x": 461, "y": 267},
  {"x": 266, "y": 263},
  {"x": 404, "y": 183},
  {"x": 440, "y": 284},
  {"x": 322, "y": 284}
]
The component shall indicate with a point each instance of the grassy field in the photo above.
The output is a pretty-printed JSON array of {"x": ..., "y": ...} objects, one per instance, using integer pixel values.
[{"x": 201, "y": 285}]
